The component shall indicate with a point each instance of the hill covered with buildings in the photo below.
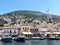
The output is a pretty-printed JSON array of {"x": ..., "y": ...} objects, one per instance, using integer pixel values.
[{"x": 25, "y": 16}]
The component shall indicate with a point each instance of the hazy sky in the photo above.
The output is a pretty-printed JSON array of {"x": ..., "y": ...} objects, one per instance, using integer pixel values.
[{"x": 36, "y": 5}]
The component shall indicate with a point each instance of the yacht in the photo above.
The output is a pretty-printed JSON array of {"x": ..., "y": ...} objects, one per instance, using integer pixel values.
[
  {"x": 57, "y": 37},
  {"x": 20, "y": 38},
  {"x": 51, "y": 37},
  {"x": 6, "y": 38}
]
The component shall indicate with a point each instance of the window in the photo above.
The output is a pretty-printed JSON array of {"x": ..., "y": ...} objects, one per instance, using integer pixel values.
[
  {"x": 33, "y": 30},
  {"x": 25, "y": 28}
]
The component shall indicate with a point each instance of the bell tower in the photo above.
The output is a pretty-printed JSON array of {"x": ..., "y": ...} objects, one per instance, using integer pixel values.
[
  {"x": 49, "y": 23},
  {"x": 49, "y": 18}
]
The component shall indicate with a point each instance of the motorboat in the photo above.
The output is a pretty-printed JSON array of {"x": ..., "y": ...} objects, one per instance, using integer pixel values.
[
  {"x": 20, "y": 38},
  {"x": 51, "y": 38},
  {"x": 6, "y": 38}
]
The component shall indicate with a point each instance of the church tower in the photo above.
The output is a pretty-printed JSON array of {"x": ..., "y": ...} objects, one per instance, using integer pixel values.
[
  {"x": 49, "y": 22},
  {"x": 49, "y": 18}
]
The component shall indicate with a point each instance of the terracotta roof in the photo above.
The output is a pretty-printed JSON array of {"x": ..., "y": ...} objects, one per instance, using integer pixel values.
[
  {"x": 16, "y": 26},
  {"x": 57, "y": 22},
  {"x": 29, "y": 24},
  {"x": 44, "y": 27},
  {"x": 8, "y": 27}
]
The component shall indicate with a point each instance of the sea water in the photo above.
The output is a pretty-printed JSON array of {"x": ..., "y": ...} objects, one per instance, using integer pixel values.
[{"x": 33, "y": 42}]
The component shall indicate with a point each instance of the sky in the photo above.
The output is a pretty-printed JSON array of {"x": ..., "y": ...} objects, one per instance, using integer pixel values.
[{"x": 33, "y": 5}]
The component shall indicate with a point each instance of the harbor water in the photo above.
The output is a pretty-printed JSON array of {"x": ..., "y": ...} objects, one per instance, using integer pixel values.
[{"x": 33, "y": 42}]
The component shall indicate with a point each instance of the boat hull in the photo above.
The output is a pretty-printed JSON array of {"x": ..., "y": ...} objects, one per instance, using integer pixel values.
[
  {"x": 54, "y": 38},
  {"x": 6, "y": 39},
  {"x": 20, "y": 39}
]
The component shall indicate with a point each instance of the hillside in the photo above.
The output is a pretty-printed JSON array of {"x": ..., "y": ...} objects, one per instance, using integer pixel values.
[{"x": 29, "y": 14}]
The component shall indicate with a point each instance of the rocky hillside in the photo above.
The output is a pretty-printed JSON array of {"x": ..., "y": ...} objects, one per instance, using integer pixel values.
[{"x": 29, "y": 14}]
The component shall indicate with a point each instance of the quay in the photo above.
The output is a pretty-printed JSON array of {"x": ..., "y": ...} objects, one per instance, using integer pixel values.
[{"x": 31, "y": 36}]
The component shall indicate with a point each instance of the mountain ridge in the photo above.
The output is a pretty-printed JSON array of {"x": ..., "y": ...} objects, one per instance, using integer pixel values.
[{"x": 29, "y": 13}]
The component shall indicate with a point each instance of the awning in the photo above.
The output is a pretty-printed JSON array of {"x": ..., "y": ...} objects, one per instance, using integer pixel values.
[
  {"x": 42, "y": 33},
  {"x": 56, "y": 32},
  {"x": 48, "y": 33},
  {"x": 27, "y": 33}
]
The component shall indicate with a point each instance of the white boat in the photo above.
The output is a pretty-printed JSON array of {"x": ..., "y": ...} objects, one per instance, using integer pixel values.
[
  {"x": 6, "y": 38},
  {"x": 51, "y": 37}
]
